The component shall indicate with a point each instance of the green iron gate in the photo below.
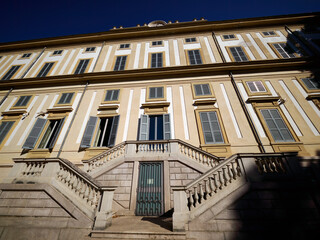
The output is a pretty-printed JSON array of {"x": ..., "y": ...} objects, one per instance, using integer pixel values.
[{"x": 150, "y": 190}]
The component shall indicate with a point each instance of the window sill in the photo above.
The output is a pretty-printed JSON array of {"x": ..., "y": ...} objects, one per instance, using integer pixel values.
[
  {"x": 219, "y": 149},
  {"x": 263, "y": 99},
  {"x": 93, "y": 151},
  {"x": 39, "y": 153},
  {"x": 13, "y": 112}
]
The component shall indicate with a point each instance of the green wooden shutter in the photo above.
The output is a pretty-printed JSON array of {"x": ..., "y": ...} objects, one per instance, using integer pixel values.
[
  {"x": 144, "y": 127},
  {"x": 211, "y": 127},
  {"x": 113, "y": 132},
  {"x": 56, "y": 134},
  {"x": 88, "y": 133},
  {"x": 276, "y": 125},
  {"x": 166, "y": 126},
  {"x": 34, "y": 134},
  {"x": 4, "y": 129}
]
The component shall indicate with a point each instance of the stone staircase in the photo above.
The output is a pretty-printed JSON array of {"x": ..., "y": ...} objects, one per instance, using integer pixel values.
[{"x": 220, "y": 185}]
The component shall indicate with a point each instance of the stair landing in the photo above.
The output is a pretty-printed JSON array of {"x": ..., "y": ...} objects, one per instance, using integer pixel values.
[{"x": 139, "y": 227}]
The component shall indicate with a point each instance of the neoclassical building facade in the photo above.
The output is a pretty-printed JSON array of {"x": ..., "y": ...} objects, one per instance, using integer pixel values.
[{"x": 213, "y": 123}]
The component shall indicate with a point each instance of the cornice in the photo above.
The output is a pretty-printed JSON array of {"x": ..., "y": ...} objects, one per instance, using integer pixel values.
[
  {"x": 166, "y": 72},
  {"x": 144, "y": 31}
]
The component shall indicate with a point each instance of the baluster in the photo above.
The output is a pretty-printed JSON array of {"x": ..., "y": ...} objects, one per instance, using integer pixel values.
[
  {"x": 220, "y": 179},
  {"x": 35, "y": 169},
  {"x": 281, "y": 165},
  {"x": 75, "y": 183},
  {"x": 65, "y": 175},
  {"x": 238, "y": 168},
  {"x": 265, "y": 165},
  {"x": 233, "y": 170},
  {"x": 259, "y": 165},
  {"x": 83, "y": 189},
  {"x": 215, "y": 178},
  {"x": 229, "y": 173},
  {"x": 78, "y": 187},
  {"x": 206, "y": 189},
  {"x": 201, "y": 194},
  {"x": 212, "y": 187},
  {"x": 225, "y": 177},
  {"x": 191, "y": 202},
  {"x": 87, "y": 192},
  {"x": 28, "y": 169},
  {"x": 67, "y": 179},
  {"x": 90, "y": 197},
  {"x": 60, "y": 173},
  {"x": 196, "y": 196},
  {"x": 94, "y": 200}
]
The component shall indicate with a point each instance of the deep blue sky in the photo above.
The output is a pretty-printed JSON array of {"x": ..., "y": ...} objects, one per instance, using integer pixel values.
[{"x": 24, "y": 20}]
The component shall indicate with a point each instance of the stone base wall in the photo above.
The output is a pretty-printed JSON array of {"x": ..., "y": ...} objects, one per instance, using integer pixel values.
[
  {"x": 180, "y": 175},
  {"x": 120, "y": 177},
  {"x": 262, "y": 213}
]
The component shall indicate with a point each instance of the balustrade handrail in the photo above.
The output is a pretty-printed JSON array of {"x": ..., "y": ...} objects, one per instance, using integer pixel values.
[
  {"x": 68, "y": 165},
  {"x": 233, "y": 157},
  {"x": 125, "y": 143}
]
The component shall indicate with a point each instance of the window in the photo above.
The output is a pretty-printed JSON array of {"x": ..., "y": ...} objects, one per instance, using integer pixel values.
[
  {"x": 105, "y": 135},
  {"x": 202, "y": 89},
  {"x": 82, "y": 66},
  {"x": 50, "y": 134},
  {"x": 120, "y": 63},
  {"x": 45, "y": 69},
  {"x": 112, "y": 95},
  {"x": 194, "y": 57},
  {"x": 156, "y": 60},
  {"x": 157, "y": 43},
  {"x": 277, "y": 127},
  {"x": 269, "y": 34},
  {"x": 283, "y": 50},
  {"x": 5, "y": 127},
  {"x": 90, "y": 49},
  {"x": 26, "y": 55},
  {"x": 57, "y": 52},
  {"x": 211, "y": 128},
  {"x": 311, "y": 83},
  {"x": 155, "y": 127},
  {"x": 189, "y": 40},
  {"x": 256, "y": 86},
  {"x": 229, "y": 37},
  {"x": 66, "y": 98},
  {"x": 238, "y": 54},
  {"x": 155, "y": 92},
  {"x": 13, "y": 70},
  {"x": 127, "y": 45},
  {"x": 23, "y": 101}
]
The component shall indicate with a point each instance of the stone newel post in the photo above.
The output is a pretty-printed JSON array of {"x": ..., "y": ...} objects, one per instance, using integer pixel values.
[{"x": 181, "y": 212}]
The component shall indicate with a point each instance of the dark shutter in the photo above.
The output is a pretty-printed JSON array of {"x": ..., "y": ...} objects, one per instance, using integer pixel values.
[
  {"x": 166, "y": 126},
  {"x": 4, "y": 129},
  {"x": 144, "y": 128},
  {"x": 65, "y": 98},
  {"x": 211, "y": 127},
  {"x": 88, "y": 133},
  {"x": 23, "y": 101},
  {"x": 114, "y": 129},
  {"x": 56, "y": 134},
  {"x": 252, "y": 86},
  {"x": 276, "y": 125},
  {"x": 34, "y": 134},
  {"x": 206, "y": 89}
]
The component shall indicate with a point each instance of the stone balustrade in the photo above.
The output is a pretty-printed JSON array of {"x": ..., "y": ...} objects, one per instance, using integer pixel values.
[
  {"x": 159, "y": 148},
  {"x": 189, "y": 198},
  {"x": 75, "y": 184}
]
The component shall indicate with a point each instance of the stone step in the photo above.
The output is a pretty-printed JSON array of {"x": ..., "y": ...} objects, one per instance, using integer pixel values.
[{"x": 130, "y": 235}]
